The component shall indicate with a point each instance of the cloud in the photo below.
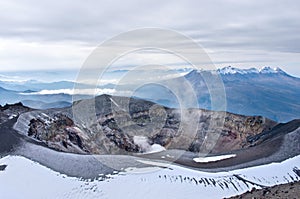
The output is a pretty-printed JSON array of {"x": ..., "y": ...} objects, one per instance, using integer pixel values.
[
  {"x": 61, "y": 34},
  {"x": 17, "y": 54},
  {"x": 96, "y": 91},
  {"x": 92, "y": 22}
]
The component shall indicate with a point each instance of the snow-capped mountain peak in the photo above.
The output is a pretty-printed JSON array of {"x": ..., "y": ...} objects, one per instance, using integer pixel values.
[
  {"x": 267, "y": 70},
  {"x": 229, "y": 70}
]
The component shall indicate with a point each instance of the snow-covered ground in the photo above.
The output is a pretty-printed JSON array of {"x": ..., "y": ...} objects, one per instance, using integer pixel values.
[{"x": 24, "y": 178}]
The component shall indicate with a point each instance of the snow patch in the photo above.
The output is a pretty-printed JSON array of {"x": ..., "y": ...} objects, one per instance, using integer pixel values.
[
  {"x": 113, "y": 101},
  {"x": 213, "y": 158},
  {"x": 269, "y": 70},
  {"x": 12, "y": 116},
  {"x": 229, "y": 70},
  {"x": 155, "y": 148},
  {"x": 154, "y": 163}
]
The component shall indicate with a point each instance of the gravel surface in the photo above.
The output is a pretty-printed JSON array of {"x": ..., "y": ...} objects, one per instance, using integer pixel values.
[{"x": 288, "y": 191}]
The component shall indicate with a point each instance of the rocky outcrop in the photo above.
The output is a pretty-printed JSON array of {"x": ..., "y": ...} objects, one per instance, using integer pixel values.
[
  {"x": 59, "y": 133},
  {"x": 275, "y": 131},
  {"x": 10, "y": 111},
  {"x": 237, "y": 129},
  {"x": 3, "y": 167},
  {"x": 289, "y": 190}
]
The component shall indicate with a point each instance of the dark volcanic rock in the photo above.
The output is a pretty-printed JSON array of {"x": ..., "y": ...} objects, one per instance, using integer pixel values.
[
  {"x": 59, "y": 133},
  {"x": 10, "y": 111},
  {"x": 275, "y": 131},
  {"x": 290, "y": 190},
  {"x": 3, "y": 167}
]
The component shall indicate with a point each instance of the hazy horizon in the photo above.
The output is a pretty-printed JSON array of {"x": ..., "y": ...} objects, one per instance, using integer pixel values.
[{"x": 72, "y": 74}]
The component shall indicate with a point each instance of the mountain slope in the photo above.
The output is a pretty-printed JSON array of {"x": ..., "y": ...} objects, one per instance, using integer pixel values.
[
  {"x": 267, "y": 92},
  {"x": 38, "y": 86},
  {"x": 36, "y": 100},
  {"x": 271, "y": 93}
]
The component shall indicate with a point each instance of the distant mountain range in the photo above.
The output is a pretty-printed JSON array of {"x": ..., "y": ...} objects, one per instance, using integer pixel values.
[
  {"x": 265, "y": 70},
  {"x": 268, "y": 92},
  {"x": 38, "y": 101},
  {"x": 32, "y": 85}
]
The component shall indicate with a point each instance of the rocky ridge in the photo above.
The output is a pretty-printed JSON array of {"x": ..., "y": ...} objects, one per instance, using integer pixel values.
[
  {"x": 289, "y": 190},
  {"x": 10, "y": 111}
]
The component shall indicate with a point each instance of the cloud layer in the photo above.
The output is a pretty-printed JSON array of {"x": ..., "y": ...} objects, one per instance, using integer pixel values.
[{"x": 61, "y": 34}]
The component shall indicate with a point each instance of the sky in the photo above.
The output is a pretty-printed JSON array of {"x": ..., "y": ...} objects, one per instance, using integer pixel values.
[{"x": 60, "y": 35}]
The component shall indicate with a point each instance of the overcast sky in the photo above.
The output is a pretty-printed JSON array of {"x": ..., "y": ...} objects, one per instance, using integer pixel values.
[{"x": 51, "y": 35}]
